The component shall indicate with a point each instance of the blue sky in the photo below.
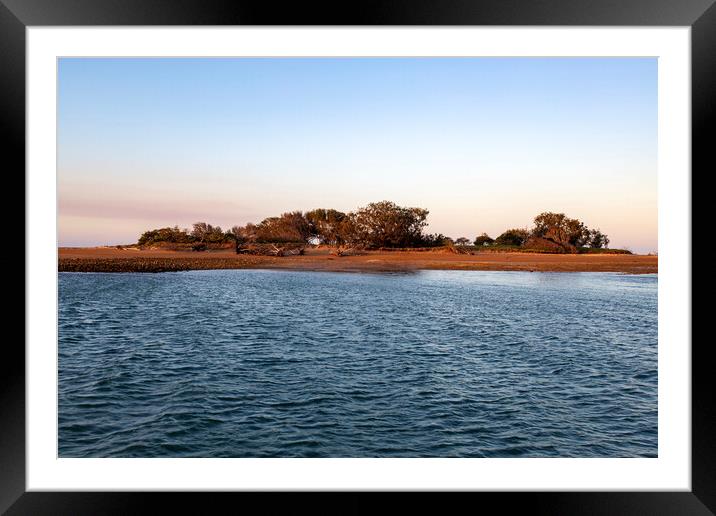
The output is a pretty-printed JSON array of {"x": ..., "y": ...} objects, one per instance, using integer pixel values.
[{"x": 483, "y": 143}]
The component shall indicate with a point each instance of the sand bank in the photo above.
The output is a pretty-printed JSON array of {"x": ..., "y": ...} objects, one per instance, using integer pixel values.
[{"x": 109, "y": 259}]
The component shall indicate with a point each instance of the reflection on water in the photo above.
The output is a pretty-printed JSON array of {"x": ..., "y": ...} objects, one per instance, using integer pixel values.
[{"x": 243, "y": 363}]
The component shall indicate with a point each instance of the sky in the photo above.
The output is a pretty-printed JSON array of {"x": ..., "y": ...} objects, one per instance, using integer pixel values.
[{"x": 484, "y": 144}]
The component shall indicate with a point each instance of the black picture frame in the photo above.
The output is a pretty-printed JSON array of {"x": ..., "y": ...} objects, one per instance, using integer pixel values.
[{"x": 16, "y": 15}]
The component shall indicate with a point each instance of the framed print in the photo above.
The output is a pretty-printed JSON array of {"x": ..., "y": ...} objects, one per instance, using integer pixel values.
[{"x": 417, "y": 249}]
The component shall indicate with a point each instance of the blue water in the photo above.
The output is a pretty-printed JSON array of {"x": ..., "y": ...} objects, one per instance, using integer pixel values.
[{"x": 246, "y": 363}]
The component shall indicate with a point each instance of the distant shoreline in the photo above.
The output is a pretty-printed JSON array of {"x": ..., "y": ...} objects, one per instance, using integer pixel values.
[{"x": 111, "y": 259}]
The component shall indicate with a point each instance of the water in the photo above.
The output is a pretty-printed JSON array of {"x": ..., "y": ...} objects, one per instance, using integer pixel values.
[{"x": 245, "y": 363}]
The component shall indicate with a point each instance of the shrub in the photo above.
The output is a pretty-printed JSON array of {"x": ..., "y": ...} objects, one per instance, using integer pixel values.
[
  {"x": 566, "y": 231},
  {"x": 483, "y": 240},
  {"x": 513, "y": 237}
]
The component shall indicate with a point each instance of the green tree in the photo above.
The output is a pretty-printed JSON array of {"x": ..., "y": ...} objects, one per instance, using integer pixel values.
[
  {"x": 513, "y": 237},
  {"x": 435, "y": 240},
  {"x": 173, "y": 235},
  {"x": 598, "y": 239},
  {"x": 325, "y": 225},
  {"x": 385, "y": 224},
  {"x": 243, "y": 235},
  {"x": 560, "y": 229},
  {"x": 483, "y": 240},
  {"x": 289, "y": 227}
]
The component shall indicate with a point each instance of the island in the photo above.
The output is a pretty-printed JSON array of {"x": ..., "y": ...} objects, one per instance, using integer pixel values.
[{"x": 380, "y": 237}]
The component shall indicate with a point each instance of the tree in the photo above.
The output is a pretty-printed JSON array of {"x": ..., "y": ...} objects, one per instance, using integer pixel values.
[
  {"x": 547, "y": 220},
  {"x": 200, "y": 230},
  {"x": 560, "y": 229},
  {"x": 598, "y": 239},
  {"x": 436, "y": 240},
  {"x": 243, "y": 234},
  {"x": 462, "y": 241},
  {"x": 216, "y": 235},
  {"x": 385, "y": 224},
  {"x": 289, "y": 227},
  {"x": 173, "y": 235},
  {"x": 204, "y": 233},
  {"x": 483, "y": 240},
  {"x": 515, "y": 237},
  {"x": 325, "y": 225}
]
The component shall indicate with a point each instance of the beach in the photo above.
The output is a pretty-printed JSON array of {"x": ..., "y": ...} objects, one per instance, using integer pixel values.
[{"x": 113, "y": 259}]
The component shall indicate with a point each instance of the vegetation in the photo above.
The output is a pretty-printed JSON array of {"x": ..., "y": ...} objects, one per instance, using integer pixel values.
[
  {"x": 207, "y": 234},
  {"x": 515, "y": 237},
  {"x": 378, "y": 225},
  {"x": 288, "y": 228},
  {"x": 176, "y": 235},
  {"x": 597, "y": 250},
  {"x": 385, "y": 224},
  {"x": 551, "y": 233},
  {"x": 201, "y": 237},
  {"x": 565, "y": 231},
  {"x": 326, "y": 226},
  {"x": 483, "y": 240}
]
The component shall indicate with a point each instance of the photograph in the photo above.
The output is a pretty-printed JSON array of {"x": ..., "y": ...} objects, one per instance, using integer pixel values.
[{"x": 374, "y": 257}]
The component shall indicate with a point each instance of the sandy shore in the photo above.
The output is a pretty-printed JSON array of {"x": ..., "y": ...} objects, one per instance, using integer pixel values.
[{"x": 110, "y": 259}]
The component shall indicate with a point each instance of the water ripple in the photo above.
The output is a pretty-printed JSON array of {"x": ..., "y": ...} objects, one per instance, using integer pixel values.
[{"x": 241, "y": 363}]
